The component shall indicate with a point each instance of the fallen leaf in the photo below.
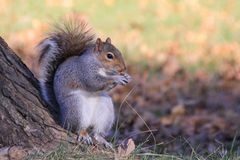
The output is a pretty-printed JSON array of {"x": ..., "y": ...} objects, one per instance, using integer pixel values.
[
  {"x": 125, "y": 151},
  {"x": 178, "y": 110}
]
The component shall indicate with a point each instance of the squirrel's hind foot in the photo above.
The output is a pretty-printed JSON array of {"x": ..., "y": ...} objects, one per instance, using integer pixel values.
[
  {"x": 100, "y": 140},
  {"x": 84, "y": 137}
]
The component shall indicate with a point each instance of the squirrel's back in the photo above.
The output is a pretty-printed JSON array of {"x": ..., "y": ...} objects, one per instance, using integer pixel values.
[{"x": 70, "y": 39}]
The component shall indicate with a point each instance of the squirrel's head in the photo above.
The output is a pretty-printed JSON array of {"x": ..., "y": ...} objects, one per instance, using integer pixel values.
[{"x": 110, "y": 57}]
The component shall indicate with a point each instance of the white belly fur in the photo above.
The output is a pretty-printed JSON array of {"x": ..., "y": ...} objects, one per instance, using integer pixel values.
[{"x": 96, "y": 110}]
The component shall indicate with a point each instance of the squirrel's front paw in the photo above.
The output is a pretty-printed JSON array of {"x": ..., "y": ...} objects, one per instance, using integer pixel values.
[
  {"x": 123, "y": 79},
  {"x": 128, "y": 77}
]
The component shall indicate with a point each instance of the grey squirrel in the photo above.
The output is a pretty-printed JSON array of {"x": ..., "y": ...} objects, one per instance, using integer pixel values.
[{"x": 76, "y": 71}]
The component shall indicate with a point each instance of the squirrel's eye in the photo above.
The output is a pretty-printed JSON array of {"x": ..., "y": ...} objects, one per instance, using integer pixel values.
[{"x": 109, "y": 56}]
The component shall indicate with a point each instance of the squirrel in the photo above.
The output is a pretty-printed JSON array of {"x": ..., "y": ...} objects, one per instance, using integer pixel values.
[{"x": 76, "y": 72}]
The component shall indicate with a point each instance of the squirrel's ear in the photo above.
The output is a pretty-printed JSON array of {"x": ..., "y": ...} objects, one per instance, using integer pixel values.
[
  {"x": 108, "y": 40},
  {"x": 99, "y": 45}
]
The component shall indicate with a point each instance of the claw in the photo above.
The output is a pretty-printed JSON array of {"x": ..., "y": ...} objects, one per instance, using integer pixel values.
[
  {"x": 108, "y": 145},
  {"x": 86, "y": 140},
  {"x": 122, "y": 79},
  {"x": 102, "y": 141},
  {"x": 128, "y": 77},
  {"x": 84, "y": 137}
]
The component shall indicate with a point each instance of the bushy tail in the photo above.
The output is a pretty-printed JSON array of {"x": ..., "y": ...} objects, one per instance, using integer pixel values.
[{"x": 66, "y": 40}]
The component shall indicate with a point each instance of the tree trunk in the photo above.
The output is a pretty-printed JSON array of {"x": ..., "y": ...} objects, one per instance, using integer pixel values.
[{"x": 24, "y": 119}]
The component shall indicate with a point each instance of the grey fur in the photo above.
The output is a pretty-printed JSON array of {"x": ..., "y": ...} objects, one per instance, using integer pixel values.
[
  {"x": 73, "y": 78},
  {"x": 67, "y": 40},
  {"x": 84, "y": 73}
]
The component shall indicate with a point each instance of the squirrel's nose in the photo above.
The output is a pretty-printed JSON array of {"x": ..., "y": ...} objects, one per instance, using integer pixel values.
[
  {"x": 122, "y": 70},
  {"x": 122, "y": 73}
]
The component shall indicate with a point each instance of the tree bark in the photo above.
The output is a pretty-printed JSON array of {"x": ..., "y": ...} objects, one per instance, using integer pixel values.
[{"x": 24, "y": 118}]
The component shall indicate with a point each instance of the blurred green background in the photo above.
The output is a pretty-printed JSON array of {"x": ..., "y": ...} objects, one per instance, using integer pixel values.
[{"x": 200, "y": 33}]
